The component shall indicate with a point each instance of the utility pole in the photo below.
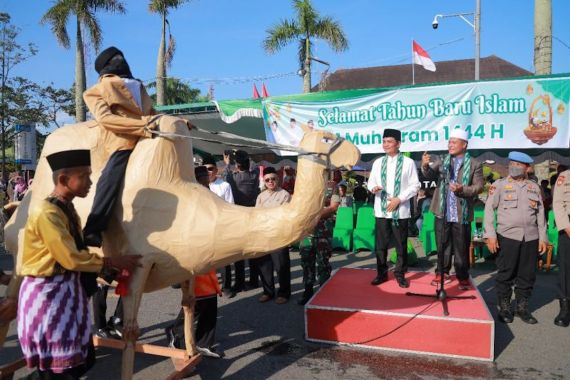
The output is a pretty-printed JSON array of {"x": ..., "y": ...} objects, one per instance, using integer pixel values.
[{"x": 542, "y": 37}]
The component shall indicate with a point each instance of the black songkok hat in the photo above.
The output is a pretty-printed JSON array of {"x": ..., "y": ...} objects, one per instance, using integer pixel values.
[
  {"x": 104, "y": 57},
  {"x": 200, "y": 171},
  {"x": 69, "y": 159},
  {"x": 396, "y": 134},
  {"x": 269, "y": 170},
  {"x": 208, "y": 160}
]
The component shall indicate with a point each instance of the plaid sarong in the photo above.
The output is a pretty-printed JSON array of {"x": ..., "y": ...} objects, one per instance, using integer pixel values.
[{"x": 54, "y": 322}]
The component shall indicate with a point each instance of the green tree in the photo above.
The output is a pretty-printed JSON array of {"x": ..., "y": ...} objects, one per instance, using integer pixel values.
[
  {"x": 306, "y": 27},
  {"x": 56, "y": 101},
  {"x": 12, "y": 54},
  {"x": 85, "y": 18},
  {"x": 177, "y": 91},
  {"x": 165, "y": 55}
]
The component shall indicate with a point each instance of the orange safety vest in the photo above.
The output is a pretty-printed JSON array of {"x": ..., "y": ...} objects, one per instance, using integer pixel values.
[{"x": 206, "y": 285}]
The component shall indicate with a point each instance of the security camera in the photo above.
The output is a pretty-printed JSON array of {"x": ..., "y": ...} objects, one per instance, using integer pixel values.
[{"x": 435, "y": 22}]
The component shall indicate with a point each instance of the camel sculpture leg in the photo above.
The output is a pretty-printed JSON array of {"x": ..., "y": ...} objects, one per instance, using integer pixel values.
[
  {"x": 131, "y": 332},
  {"x": 188, "y": 302}
]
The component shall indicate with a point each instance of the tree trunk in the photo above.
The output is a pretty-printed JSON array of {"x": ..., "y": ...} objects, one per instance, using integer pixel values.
[
  {"x": 160, "y": 65},
  {"x": 79, "y": 76},
  {"x": 307, "y": 76},
  {"x": 542, "y": 37}
]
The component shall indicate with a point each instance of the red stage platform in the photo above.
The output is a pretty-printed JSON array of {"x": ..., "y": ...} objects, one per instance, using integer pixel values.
[{"x": 348, "y": 310}]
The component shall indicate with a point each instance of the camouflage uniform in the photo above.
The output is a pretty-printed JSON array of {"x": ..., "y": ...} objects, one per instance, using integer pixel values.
[{"x": 315, "y": 251}]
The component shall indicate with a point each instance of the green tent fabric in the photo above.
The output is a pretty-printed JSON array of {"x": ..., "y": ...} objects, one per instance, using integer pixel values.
[
  {"x": 342, "y": 232},
  {"x": 363, "y": 236}
]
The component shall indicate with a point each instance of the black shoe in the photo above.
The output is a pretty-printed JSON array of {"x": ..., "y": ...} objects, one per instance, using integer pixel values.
[
  {"x": 523, "y": 313},
  {"x": 104, "y": 334},
  {"x": 306, "y": 297},
  {"x": 236, "y": 289},
  {"x": 172, "y": 339},
  {"x": 505, "y": 314},
  {"x": 210, "y": 352},
  {"x": 563, "y": 318},
  {"x": 402, "y": 282},
  {"x": 379, "y": 279},
  {"x": 229, "y": 293},
  {"x": 93, "y": 240}
]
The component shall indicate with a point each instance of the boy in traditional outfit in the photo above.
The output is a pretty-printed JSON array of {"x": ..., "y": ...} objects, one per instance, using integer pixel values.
[
  {"x": 123, "y": 109},
  {"x": 54, "y": 321}
]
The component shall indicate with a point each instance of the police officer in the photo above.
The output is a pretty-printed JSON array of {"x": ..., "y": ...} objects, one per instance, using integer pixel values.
[
  {"x": 561, "y": 207},
  {"x": 519, "y": 238}
]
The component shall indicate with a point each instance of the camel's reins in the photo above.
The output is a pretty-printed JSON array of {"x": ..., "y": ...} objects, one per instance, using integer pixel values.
[{"x": 289, "y": 148}]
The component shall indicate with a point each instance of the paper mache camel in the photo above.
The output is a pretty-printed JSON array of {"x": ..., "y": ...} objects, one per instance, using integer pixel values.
[{"x": 180, "y": 227}]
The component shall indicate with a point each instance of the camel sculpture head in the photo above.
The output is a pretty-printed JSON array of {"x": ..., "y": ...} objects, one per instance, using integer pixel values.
[{"x": 335, "y": 151}]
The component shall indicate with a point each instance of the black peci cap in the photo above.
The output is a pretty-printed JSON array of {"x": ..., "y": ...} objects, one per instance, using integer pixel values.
[{"x": 69, "y": 159}]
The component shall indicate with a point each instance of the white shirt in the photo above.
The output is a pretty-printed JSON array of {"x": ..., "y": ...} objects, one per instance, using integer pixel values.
[
  {"x": 134, "y": 87},
  {"x": 409, "y": 185},
  {"x": 222, "y": 190}
]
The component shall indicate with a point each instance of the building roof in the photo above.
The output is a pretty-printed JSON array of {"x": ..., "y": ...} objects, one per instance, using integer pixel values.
[{"x": 491, "y": 67}]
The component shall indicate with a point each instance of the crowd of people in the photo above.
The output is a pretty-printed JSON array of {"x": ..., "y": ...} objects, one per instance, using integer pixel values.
[{"x": 60, "y": 272}]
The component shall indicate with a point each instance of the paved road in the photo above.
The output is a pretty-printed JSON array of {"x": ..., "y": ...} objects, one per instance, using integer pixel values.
[{"x": 265, "y": 341}]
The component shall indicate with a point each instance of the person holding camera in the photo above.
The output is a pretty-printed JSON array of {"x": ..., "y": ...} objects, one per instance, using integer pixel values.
[{"x": 244, "y": 182}]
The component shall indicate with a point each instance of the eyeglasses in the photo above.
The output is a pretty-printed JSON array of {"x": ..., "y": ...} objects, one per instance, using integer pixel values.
[
  {"x": 211, "y": 168},
  {"x": 270, "y": 179}
]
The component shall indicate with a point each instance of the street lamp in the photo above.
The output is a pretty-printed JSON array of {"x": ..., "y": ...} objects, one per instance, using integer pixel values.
[{"x": 476, "y": 25}]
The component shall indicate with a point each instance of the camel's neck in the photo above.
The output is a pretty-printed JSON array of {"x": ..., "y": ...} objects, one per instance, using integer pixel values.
[{"x": 310, "y": 183}]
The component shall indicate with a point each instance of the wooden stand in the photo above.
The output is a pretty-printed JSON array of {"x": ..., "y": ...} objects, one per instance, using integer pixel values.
[{"x": 182, "y": 364}]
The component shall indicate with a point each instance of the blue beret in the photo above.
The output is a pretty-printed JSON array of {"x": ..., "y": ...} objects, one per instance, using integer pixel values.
[{"x": 520, "y": 157}]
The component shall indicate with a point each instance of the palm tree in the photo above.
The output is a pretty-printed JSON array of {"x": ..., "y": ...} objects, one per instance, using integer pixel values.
[
  {"x": 307, "y": 26},
  {"x": 164, "y": 55},
  {"x": 177, "y": 91},
  {"x": 84, "y": 10}
]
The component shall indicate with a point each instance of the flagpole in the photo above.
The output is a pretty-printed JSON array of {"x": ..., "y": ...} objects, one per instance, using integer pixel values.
[{"x": 413, "y": 68}]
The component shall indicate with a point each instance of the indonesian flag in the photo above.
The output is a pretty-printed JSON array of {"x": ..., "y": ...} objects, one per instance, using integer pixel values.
[{"x": 421, "y": 57}]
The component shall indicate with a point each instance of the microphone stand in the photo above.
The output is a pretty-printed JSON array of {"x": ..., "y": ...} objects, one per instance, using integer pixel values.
[{"x": 440, "y": 293}]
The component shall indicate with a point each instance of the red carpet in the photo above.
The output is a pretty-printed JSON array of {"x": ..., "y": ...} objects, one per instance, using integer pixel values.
[{"x": 348, "y": 310}]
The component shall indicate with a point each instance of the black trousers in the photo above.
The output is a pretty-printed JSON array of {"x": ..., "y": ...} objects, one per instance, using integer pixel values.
[
  {"x": 386, "y": 233},
  {"x": 205, "y": 316},
  {"x": 453, "y": 240},
  {"x": 107, "y": 192},
  {"x": 564, "y": 264},
  {"x": 100, "y": 308},
  {"x": 279, "y": 261},
  {"x": 516, "y": 265},
  {"x": 240, "y": 275}
]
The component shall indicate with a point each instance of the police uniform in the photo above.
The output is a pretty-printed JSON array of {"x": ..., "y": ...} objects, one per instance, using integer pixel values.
[
  {"x": 520, "y": 227},
  {"x": 561, "y": 207}
]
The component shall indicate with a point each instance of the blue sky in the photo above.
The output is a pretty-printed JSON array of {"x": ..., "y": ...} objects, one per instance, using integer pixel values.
[{"x": 222, "y": 39}]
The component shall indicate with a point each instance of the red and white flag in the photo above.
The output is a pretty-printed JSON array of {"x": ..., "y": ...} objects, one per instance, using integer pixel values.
[{"x": 421, "y": 57}]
